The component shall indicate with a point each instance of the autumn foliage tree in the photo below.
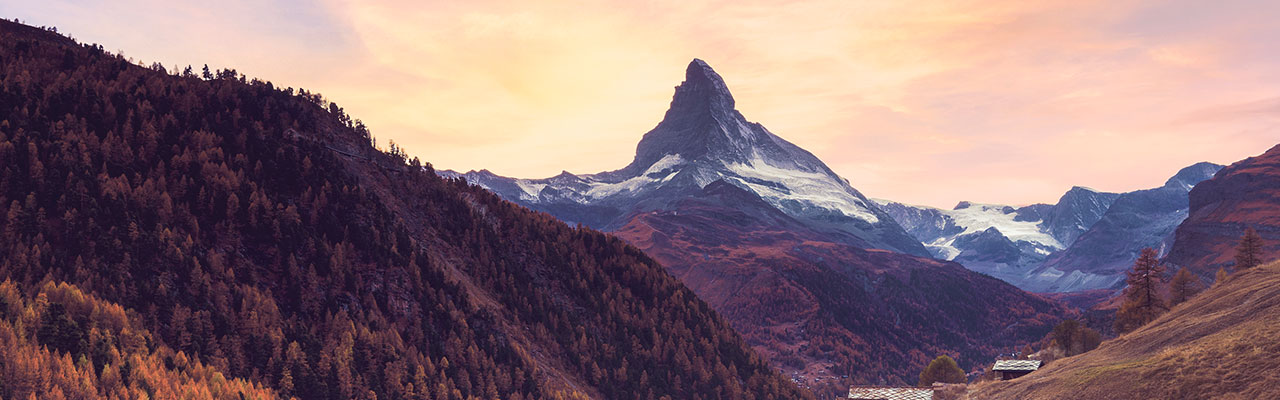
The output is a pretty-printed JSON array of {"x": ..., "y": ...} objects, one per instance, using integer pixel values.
[
  {"x": 1220, "y": 276},
  {"x": 1072, "y": 338},
  {"x": 1183, "y": 286},
  {"x": 1249, "y": 252},
  {"x": 116, "y": 358},
  {"x": 1142, "y": 301},
  {"x": 942, "y": 369}
]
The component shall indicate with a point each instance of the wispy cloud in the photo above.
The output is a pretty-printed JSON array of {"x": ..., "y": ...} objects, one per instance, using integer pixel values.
[{"x": 926, "y": 102}]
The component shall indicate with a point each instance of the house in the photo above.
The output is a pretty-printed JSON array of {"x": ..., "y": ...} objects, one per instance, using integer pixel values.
[
  {"x": 1010, "y": 369},
  {"x": 889, "y": 393}
]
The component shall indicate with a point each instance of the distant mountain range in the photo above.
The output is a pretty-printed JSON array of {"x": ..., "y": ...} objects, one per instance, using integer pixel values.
[
  {"x": 1145, "y": 218},
  {"x": 1000, "y": 240},
  {"x": 1085, "y": 241},
  {"x": 815, "y": 276},
  {"x": 1219, "y": 343}
]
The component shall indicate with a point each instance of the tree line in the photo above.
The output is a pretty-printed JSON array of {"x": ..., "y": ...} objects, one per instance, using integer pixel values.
[{"x": 1143, "y": 297}]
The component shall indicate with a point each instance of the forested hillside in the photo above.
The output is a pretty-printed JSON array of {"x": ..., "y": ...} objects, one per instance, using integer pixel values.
[
  {"x": 114, "y": 357},
  {"x": 255, "y": 231}
]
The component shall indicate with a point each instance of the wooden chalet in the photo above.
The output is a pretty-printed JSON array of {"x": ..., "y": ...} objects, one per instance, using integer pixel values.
[
  {"x": 1011, "y": 369},
  {"x": 890, "y": 393}
]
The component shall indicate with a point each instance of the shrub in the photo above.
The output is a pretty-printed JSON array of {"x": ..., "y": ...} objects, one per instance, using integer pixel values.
[{"x": 942, "y": 369}]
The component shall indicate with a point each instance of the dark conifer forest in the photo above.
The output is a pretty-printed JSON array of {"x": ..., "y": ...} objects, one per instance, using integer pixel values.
[{"x": 164, "y": 228}]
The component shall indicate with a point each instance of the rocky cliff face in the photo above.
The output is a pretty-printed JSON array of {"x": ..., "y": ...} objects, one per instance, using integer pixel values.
[
  {"x": 1243, "y": 195},
  {"x": 1076, "y": 211}
]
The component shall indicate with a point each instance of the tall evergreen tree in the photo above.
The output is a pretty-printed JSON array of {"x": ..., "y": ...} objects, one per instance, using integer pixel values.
[
  {"x": 1249, "y": 253},
  {"x": 1142, "y": 302}
]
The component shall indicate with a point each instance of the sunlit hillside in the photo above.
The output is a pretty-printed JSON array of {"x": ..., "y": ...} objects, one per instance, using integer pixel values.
[{"x": 1220, "y": 344}]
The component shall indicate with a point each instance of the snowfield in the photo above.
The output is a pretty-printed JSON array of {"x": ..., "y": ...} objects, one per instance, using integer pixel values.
[
  {"x": 814, "y": 188},
  {"x": 975, "y": 218}
]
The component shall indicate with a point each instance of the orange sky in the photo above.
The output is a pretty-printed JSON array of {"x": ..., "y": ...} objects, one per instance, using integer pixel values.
[{"x": 925, "y": 102}]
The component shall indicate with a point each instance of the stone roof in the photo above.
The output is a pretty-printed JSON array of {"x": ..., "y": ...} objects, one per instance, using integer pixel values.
[
  {"x": 890, "y": 393},
  {"x": 1016, "y": 365}
]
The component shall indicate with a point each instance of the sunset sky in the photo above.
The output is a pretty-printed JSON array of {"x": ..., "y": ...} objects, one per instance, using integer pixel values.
[{"x": 924, "y": 102}]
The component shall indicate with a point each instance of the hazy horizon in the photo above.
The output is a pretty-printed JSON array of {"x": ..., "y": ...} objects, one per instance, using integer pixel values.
[{"x": 928, "y": 103}]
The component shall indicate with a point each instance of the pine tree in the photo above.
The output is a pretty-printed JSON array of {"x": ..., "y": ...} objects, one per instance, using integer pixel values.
[
  {"x": 942, "y": 369},
  {"x": 1142, "y": 302},
  {"x": 1249, "y": 253},
  {"x": 1184, "y": 286}
]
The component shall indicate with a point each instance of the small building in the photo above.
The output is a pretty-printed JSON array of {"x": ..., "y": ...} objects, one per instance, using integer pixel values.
[
  {"x": 889, "y": 393},
  {"x": 1010, "y": 369}
]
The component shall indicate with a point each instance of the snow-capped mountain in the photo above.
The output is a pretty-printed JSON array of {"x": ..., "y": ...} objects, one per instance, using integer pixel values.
[
  {"x": 703, "y": 139},
  {"x": 1085, "y": 241},
  {"x": 999, "y": 240},
  {"x": 940, "y": 229},
  {"x": 1075, "y": 212},
  {"x": 785, "y": 249},
  {"x": 1138, "y": 219}
]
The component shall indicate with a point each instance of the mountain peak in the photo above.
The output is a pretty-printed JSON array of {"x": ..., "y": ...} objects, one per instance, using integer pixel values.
[
  {"x": 701, "y": 124},
  {"x": 703, "y": 128},
  {"x": 702, "y": 89},
  {"x": 1191, "y": 175}
]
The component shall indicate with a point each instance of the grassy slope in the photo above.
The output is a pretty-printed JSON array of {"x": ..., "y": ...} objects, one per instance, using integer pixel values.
[{"x": 1222, "y": 344}]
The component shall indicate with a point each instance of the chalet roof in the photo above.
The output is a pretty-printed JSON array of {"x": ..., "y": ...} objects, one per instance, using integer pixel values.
[
  {"x": 890, "y": 393},
  {"x": 1016, "y": 365}
]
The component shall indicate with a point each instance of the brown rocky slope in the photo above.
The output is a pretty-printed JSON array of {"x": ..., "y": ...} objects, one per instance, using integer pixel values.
[{"x": 1245, "y": 194}]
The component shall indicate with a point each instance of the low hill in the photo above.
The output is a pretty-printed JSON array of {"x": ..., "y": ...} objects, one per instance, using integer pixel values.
[
  {"x": 1221, "y": 344},
  {"x": 257, "y": 229}
]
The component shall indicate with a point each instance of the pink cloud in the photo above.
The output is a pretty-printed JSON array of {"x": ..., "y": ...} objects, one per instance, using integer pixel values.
[{"x": 926, "y": 102}]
